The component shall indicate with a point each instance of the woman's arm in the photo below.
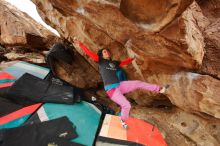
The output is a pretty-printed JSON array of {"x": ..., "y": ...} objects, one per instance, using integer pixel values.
[
  {"x": 88, "y": 52},
  {"x": 126, "y": 61}
]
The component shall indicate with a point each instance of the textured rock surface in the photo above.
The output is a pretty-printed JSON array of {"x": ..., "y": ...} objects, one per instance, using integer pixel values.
[
  {"x": 176, "y": 125},
  {"x": 200, "y": 93},
  {"x": 28, "y": 57},
  {"x": 212, "y": 57},
  {"x": 19, "y": 29},
  {"x": 211, "y": 9},
  {"x": 80, "y": 73},
  {"x": 152, "y": 15},
  {"x": 187, "y": 30}
]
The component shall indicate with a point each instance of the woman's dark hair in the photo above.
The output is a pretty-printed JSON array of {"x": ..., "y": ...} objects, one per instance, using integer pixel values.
[{"x": 100, "y": 53}]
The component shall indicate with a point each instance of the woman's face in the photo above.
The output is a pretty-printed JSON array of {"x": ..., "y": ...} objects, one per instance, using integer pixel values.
[{"x": 106, "y": 54}]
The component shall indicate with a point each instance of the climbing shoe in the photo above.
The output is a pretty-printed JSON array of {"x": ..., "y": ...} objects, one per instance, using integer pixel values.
[
  {"x": 124, "y": 125},
  {"x": 164, "y": 88}
]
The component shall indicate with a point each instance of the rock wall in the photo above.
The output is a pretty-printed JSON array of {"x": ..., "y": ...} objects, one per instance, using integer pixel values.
[
  {"x": 19, "y": 29},
  {"x": 211, "y": 10},
  {"x": 181, "y": 128},
  {"x": 153, "y": 16},
  {"x": 21, "y": 37}
]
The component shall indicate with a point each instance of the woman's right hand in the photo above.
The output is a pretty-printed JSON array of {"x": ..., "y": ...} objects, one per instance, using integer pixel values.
[{"x": 75, "y": 41}]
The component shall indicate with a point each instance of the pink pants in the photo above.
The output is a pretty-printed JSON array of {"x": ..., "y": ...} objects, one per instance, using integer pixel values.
[{"x": 117, "y": 96}]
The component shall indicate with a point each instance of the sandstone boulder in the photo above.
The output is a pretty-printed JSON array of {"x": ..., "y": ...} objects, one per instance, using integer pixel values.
[
  {"x": 19, "y": 29},
  {"x": 176, "y": 125},
  {"x": 152, "y": 15}
]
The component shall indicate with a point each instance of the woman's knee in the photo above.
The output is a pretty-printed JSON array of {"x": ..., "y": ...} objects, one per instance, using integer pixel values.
[
  {"x": 137, "y": 82},
  {"x": 126, "y": 105}
]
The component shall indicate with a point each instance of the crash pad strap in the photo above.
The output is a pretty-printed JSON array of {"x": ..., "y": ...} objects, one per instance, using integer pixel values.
[{"x": 117, "y": 141}]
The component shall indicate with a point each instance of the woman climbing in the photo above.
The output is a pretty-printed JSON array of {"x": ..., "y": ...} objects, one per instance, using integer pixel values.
[{"x": 113, "y": 87}]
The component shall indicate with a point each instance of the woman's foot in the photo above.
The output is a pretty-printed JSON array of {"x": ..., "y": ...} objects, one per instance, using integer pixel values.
[
  {"x": 124, "y": 125},
  {"x": 164, "y": 88}
]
